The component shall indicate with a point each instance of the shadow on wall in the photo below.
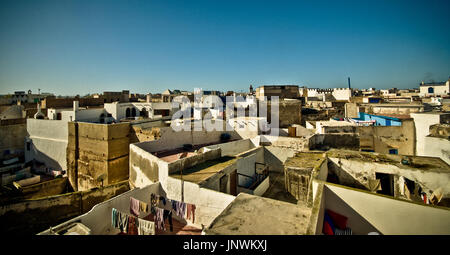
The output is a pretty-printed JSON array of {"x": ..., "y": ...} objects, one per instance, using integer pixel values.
[
  {"x": 38, "y": 155},
  {"x": 338, "y": 175},
  {"x": 358, "y": 224}
]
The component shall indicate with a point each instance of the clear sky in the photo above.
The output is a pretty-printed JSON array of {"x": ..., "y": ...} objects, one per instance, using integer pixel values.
[{"x": 88, "y": 46}]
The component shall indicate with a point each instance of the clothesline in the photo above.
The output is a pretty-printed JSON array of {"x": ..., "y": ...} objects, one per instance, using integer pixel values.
[
  {"x": 197, "y": 205},
  {"x": 131, "y": 224}
]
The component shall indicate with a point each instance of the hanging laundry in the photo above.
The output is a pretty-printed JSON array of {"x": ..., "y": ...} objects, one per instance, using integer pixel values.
[
  {"x": 114, "y": 218},
  {"x": 119, "y": 220},
  {"x": 174, "y": 204},
  {"x": 163, "y": 199},
  {"x": 153, "y": 200},
  {"x": 133, "y": 225},
  {"x": 159, "y": 218},
  {"x": 343, "y": 232},
  {"x": 180, "y": 209},
  {"x": 146, "y": 227},
  {"x": 143, "y": 207},
  {"x": 190, "y": 212},
  {"x": 134, "y": 207},
  {"x": 168, "y": 214}
]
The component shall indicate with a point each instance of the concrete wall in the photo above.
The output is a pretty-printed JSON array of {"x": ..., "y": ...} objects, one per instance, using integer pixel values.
[
  {"x": 32, "y": 216},
  {"x": 368, "y": 212},
  {"x": 98, "y": 219},
  {"x": 49, "y": 139}
]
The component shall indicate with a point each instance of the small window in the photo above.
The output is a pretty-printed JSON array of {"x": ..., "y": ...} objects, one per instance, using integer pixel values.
[
  {"x": 393, "y": 151},
  {"x": 28, "y": 146}
]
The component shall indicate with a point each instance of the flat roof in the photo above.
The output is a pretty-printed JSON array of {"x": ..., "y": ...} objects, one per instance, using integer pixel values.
[
  {"x": 416, "y": 162},
  {"x": 304, "y": 160},
  {"x": 205, "y": 170},
  {"x": 254, "y": 215}
]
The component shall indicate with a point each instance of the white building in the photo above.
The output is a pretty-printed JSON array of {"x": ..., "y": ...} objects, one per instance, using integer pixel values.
[
  {"x": 120, "y": 111},
  {"x": 94, "y": 115},
  {"x": 435, "y": 89}
]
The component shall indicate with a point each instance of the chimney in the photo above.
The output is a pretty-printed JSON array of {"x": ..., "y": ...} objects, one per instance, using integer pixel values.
[
  {"x": 349, "y": 83},
  {"x": 76, "y": 105},
  {"x": 149, "y": 98}
]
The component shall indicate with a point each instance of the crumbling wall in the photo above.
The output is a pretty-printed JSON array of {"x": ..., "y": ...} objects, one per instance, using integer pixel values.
[
  {"x": 12, "y": 138},
  {"x": 327, "y": 141},
  {"x": 289, "y": 112},
  {"x": 145, "y": 168},
  {"x": 32, "y": 216},
  {"x": 383, "y": 138}
]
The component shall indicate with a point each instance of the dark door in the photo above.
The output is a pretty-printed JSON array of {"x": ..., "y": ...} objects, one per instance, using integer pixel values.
[{"x": 233, "y": 183}]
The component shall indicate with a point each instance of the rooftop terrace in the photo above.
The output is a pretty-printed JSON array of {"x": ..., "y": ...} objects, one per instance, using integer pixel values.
[
  {"x": 253, "y": 215},
  {"x": 205, "y": 170}
]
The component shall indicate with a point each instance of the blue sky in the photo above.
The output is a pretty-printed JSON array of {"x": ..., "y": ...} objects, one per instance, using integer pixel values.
[{"x": 88, "y": 46}]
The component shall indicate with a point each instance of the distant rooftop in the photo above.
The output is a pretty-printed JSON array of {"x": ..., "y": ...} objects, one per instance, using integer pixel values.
[{"x": 416, "y": 162}]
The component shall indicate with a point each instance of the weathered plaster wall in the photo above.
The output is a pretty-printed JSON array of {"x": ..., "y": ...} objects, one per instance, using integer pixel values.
[
  {"x": 358, "y": 173},
  {"x": 32, "y": 216},
  {"x": 98, "y": 154},
  {"x": 98, "y": 218},
  {"x": 170, "y": 139},
  {"x": 145, "y": 168},
  {"x": 383, "y": 138},
  {"x": 12, "y": 138},
  {"x": 326, "y": 141}
]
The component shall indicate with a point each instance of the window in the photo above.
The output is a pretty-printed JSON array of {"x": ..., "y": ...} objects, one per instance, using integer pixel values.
[
  {"x": 431, "y": 90},
  {"x": 393, "y": 151},
  {"x": 128, "y": 113}
]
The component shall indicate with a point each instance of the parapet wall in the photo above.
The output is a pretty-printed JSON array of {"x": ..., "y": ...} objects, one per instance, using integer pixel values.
[{"x": 32, "y": 216}]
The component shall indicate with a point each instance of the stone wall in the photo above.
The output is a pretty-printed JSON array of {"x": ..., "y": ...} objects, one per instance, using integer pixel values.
[
  {"x": 340, "y": 141},
  {"x": 32, "y": 216},
  {"x": 97, "y": 154},
  {"x": 12, "y": 138}
]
